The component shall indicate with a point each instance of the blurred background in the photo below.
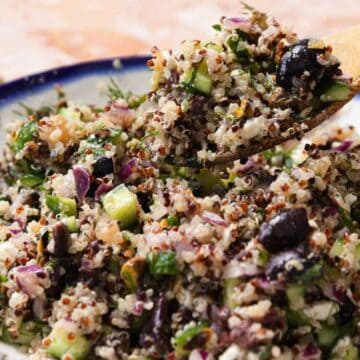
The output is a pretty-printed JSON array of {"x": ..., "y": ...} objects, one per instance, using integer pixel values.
[{"x": 39, "y": 34}]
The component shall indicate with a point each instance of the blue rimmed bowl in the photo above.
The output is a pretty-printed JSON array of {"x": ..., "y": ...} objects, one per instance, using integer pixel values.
[{"x": 86, "y": 83}]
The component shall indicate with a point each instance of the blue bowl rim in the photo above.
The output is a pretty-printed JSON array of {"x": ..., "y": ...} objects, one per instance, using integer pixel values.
[{"x": 11, "y": 89}]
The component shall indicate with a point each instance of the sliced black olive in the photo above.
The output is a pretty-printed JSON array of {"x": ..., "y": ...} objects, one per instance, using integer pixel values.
[
  {"x": 157, "y": 331},
  {"x": 103, "y": 167},
  {"x": 61, "y": 238},
  {"x": 298, "y": 59},
  {"x": 285, "y": 230}
]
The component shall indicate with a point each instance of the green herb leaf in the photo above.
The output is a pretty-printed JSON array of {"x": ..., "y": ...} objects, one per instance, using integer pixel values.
[
  {"x": 217, "y": 27},
  {"x": 163, "y": 263},
  {"x": 26, "y": 133},
  {"x": 32, "y": 180}
]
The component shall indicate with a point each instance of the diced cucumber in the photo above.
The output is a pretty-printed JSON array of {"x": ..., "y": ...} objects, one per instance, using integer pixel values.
[
  {"x": 64, "y": 341},
  {"x": 335, "y": 91},
  {"x": 336, "y": 249},
  {"x": 351, "y": 353},
  {"x": 182, "y": 339},
  {"x": 27, "y": 332},
  {"x": 131, "y": 272},
  {"x": 202, "y": 81},
  {"x": 71, "y": 224},
  {"x": 348, "y": 350},
  {"x": 121, "y": 204},
  {"x": 199, "y": 80},
  {"x": 229, "y": 289},
  {"x": 295, "y": 295},
  {"x": 327, "y": 335},
  {"x": 59, "y": 204},
  {"x": 163, "y": 263}
]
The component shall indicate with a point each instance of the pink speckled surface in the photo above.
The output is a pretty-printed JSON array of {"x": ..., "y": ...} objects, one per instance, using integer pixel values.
[{"x": 39, "y": 34}]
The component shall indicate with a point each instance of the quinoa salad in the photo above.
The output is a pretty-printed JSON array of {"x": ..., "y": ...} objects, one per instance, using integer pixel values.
[
  {"x": 109, "y": 249},
  {"x": 254, "y": 84}
]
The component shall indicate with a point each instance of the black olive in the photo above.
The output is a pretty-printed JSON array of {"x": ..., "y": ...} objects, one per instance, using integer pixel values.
[
  {"x": 287, "y": 229},
  {"x": 103, "y": 167},
  {"x": 285, "y": 263},
  {"x": 157, "y": 331},
  {"x": 61, "y": 238},
  {"x": 32, "y": 199},
  {"x": 298, "y": 59}
]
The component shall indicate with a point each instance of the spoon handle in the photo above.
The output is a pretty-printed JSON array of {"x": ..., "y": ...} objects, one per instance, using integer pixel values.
[{"x": 346, "y": 46}]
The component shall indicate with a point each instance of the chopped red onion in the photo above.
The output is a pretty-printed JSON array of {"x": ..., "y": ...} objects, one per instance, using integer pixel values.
[
  {"x": 28, "y": 281},
  {"x": 250, "y": 164},
  {"x": 138, "y": 308},
  {"x": 213, "y": 219},
  {"x": 330, "y": 211},
  {"x": 120, "y": 110},
  {"x": 82, "y": 182},
  {"x": 344, "y": 146},
  {"x": 311, "y": 352},
  {"x": 126, "y": 169},
  {"x": 200, "y": 355},
  {"x": 335, "y": 294},
  {"x": 241, "y": 23},
  {"x": 101, "y": 190},
  {"x": 183, "y": 246},
  {"x": 29, "y": 268},
  {"x": 268, "y": 286}
]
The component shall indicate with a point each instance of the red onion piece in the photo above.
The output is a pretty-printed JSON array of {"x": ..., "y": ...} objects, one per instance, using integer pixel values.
[
  {"x": 241, "y": 23},
  {"x": 138, "y": 308},
  {"x": 101, "y": 190},
  {"x": 250, "y": 164},
  {"x": 268, "y": 286},
  {"x": 28, "y": 281},
  {"x": 344, "y": 146},
  {"x": 82, "y": 182},
  {"x": 213, "y": 219},
  {"x": 330, "y": 211},
  {"x": 126, "y": 169},
  {"x": 29, "y": 268},
  {"x": 120, "y": 110},
  {"x": 311, "y": 352}
]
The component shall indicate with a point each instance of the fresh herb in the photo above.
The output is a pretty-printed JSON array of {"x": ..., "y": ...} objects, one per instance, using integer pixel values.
[
  {"x": 26, "y": 133},
  {"x": 238, "y": 45},
  {"x": 346, "y": 219},
  {"x": 32, "y": 180},
  {"x": 217, "y": 27},
  {"x": 181, "y": 340},
  {"x": 163, "y": 263},
  {"x": 173, "y": 221},
  {"x": 115, "y": 92}
]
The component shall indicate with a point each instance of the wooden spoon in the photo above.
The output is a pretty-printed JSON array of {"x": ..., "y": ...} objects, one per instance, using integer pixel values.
[{"x": 346, "y": 47}]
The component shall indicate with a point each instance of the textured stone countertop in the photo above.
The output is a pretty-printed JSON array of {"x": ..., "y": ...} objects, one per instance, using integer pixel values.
[{"x": 39, "y": 34}]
